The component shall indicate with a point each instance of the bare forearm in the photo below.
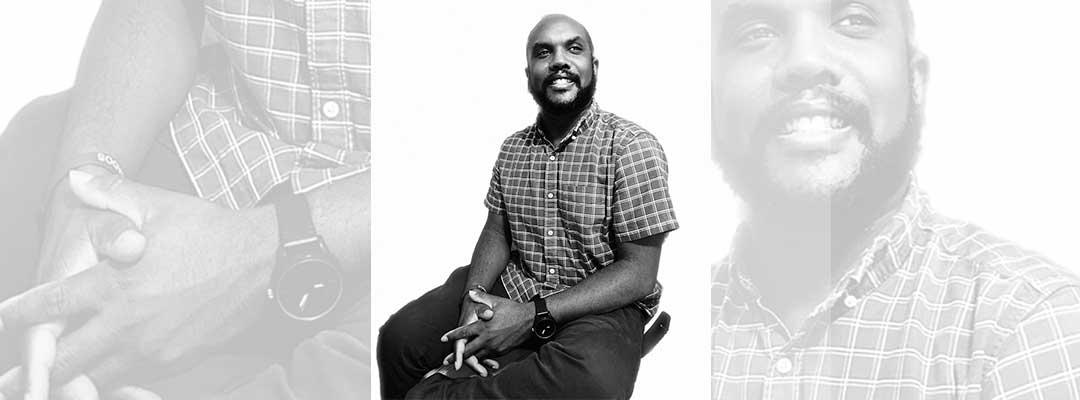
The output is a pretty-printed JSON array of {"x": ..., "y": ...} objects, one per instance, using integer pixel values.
[
  {"x": 491, "y": 254},
  {"x": 342, "y": 216},
  {"x": 137, "y": 65},
  {"x": 631, "y": 277}
]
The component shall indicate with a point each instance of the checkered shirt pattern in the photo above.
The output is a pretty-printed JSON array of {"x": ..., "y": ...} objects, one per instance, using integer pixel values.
[
  {"x": 941, "y": 310},
  {"x": 568, "y": 205},
  {"x": 289, "y": 101}
]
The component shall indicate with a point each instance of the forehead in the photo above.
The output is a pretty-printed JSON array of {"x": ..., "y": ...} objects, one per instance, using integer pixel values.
[
  {"x": 727, "y": 9},
  {"x": 557, "y": 30}
]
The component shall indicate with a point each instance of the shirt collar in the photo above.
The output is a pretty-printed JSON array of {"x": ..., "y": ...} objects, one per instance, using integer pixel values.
[
  {"x": 585, "y": 121},
  {"x": 893, "y": 238}
]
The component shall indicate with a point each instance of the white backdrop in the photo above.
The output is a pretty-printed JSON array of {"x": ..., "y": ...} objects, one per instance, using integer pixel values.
[{"x": 1000, "y": 146}]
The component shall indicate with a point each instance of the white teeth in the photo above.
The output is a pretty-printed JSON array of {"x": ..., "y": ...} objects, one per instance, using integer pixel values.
[{"x": 817, "y": 123}]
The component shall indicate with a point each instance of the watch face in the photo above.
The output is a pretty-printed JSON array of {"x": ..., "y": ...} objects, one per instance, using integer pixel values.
[
  {"x": 544, "y": 328},
  {"x": 309, "y": 289}
]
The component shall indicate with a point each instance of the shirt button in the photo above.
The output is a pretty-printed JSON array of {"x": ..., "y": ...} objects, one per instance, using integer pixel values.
[
  {"x": 551, "y": 195},
  {"x": 783, "y": 366},
  {"x": 551, "y": 232},
  {"x": 331, "y": 109},
  {"x": 850, "y": 301},
  {"x": 552, "y": 158},
  {"x": 551, "y": 271}
]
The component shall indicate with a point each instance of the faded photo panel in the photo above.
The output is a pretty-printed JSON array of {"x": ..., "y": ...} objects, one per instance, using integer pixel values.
[
  {"x": 539, "y": 230},
  {"x": 902, "y": 176},
  {"x": 185, "y": 207}
]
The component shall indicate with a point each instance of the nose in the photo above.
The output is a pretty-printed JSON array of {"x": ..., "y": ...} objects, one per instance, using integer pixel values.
[
  {"x": 807, "y": 63},
  {"x": 558, "y": 61}
]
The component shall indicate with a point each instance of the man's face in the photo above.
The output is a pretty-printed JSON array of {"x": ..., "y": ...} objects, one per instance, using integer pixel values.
[
  {"x": 561, "y": 67},
  {"x": 810, "y": 96}
]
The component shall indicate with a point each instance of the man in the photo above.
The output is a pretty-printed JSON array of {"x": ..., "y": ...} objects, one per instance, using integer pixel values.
[
  {"x": 563, "y": 276},
  {"x": 211, "y": 241},
  {"x": 842, "y": 281}
]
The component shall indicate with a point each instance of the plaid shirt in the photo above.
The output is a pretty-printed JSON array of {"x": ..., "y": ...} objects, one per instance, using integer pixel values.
[
  {"x": 937, "y": 308},
  {"x": 288, "y": 101},
  {"x": 568, "y": 205}
]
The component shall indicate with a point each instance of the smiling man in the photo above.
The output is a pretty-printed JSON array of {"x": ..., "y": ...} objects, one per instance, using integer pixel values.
[
  {"x": 842, "y": 281},
  {"x": 567, "y": 260}
]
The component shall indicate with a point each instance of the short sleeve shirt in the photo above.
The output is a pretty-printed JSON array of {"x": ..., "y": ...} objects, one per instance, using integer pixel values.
[
  {"x": 283, "y": 97},
  {"x": 568, "y": 205}
]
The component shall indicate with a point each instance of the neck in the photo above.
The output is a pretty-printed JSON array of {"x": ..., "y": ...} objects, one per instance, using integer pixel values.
[
  {"x": 558, "y": 126},
  {"x": 795, "y": 255}
]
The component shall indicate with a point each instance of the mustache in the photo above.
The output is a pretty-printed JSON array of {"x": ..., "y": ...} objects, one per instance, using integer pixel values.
[
  {"x": 551, "y": 78},
  {"x": 831, "y": 100}
]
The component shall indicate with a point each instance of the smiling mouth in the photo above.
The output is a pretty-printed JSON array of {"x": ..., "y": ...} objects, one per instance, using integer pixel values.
[
  {"x": 561, "y": 83},
  {"x": 814, "y": 124}
]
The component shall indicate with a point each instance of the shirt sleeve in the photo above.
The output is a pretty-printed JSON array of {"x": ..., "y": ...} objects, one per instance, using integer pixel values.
[
  {"x": 1041, "y": 359},
  {"x": 494, "y": 199},
  {"x": 642, "y": 205}
]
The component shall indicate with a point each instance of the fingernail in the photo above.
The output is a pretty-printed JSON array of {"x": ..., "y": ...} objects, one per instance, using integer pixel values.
[
  {"x": 78, "y": 177},
  {"x": 443, "y": 339}
]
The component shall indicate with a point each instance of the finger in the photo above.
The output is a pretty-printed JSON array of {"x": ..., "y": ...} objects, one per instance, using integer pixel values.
[
  {"x": 475, "y": 365},
  {"x": 459, "y": 348},
  {"x": 449, "y": 357},
  {"x": 107, "y": 376},
  {"x": 11, "y": 383},
  {"x": 110, "y": 192},
  {"x": 490, "y": 363},
  {"x": 38, "y": 358},
  {"x": 55, "y": 300},
  {"x": 79, "y": 350},
  {"x": 484, "y": 313},
  {"x": 482, "y": 298},
  {"x": 116, "y": 237},
  {"x": 78, "y": 389},
  {"x": 133, "y": 393},
  {"x": 462, "y": 332}
]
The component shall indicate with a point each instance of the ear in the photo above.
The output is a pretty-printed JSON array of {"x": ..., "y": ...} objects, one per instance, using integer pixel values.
[
  {"x": 595, "y": 65},
  {"x": 920, "y": 72}
]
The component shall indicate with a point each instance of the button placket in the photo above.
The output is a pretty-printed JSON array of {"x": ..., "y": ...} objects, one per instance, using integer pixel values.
[{"x": 551, "y": 174}]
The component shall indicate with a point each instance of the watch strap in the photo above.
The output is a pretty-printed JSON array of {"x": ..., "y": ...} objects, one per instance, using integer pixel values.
[{"x": 295, "y": 225}]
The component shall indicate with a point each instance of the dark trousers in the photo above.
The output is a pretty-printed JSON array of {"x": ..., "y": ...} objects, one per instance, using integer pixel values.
[
  {"x": 27, "y": 152},
  {"x": 593, "y": 357}
]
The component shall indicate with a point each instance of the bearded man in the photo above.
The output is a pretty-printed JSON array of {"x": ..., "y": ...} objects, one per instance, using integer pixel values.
[{"x": 842, "y": 281}]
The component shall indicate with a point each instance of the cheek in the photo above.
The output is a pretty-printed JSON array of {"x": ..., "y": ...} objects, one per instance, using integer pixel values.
[
  {"x": 740, "y": 96},
  {"x": 888, "y": 90}
]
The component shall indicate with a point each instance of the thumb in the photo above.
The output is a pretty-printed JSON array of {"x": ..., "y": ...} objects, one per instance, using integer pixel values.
[
  {"x": 116, "y": 237},
  {"x": 482, "y": 298},
  {"x": 109, "y": 192}
]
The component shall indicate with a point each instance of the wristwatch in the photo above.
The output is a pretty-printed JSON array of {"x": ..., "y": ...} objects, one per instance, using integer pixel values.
[
  {"x": 307, "y": 283},
  {"x": 544, "y": 325}
]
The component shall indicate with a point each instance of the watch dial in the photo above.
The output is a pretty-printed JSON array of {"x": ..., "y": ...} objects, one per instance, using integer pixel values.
[
  {"x": 545, "y": 329},
  {"x": 309, "y": 290}
]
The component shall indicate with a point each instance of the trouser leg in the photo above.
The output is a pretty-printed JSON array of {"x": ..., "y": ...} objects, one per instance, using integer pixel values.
[
  {"x": 408, "y": 344},
  {"x": 593, "y": 357}
]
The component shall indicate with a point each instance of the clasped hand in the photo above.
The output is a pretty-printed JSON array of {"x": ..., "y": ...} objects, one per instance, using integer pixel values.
[
  {"x": 490, "y": 326},
  {"x": 191, "y": 284}
]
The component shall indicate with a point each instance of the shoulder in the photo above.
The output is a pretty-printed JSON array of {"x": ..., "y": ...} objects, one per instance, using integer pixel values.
[
  {"x": 517, "y": 141},
  {"x": 1010, "y": 281},
  {"x": 627, "y": 137}
]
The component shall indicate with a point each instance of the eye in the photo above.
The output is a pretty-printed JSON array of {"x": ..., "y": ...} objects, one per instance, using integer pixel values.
[
  {"x": 576, "y": 49},
  {"x": 541, "y": 53},
  {"x": 755, "y": 34},
  {"x": 856, "y": 24}
]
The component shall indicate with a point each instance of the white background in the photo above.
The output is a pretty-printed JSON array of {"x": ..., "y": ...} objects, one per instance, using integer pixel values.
[{"x": 1000, "y": 146}]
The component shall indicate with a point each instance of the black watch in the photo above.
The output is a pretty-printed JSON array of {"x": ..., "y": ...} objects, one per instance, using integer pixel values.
[
  {"x": 544, "y": 325},
  {"x": 307, "y": 283}
]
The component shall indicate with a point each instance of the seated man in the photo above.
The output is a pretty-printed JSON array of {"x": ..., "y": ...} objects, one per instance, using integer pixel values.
[
  {"x": 843, "y": 282},
  {"x": 212, "y": 240},
  {"x": 563, "y": 277}
]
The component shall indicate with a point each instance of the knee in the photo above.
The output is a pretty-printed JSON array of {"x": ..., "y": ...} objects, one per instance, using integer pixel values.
[{"x": 608, "y": 368}]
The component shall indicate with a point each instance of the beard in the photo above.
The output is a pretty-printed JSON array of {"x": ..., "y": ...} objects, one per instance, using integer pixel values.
[
  {"x": 883, "y": 170},
  {"x": 573, "y": 107}
]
